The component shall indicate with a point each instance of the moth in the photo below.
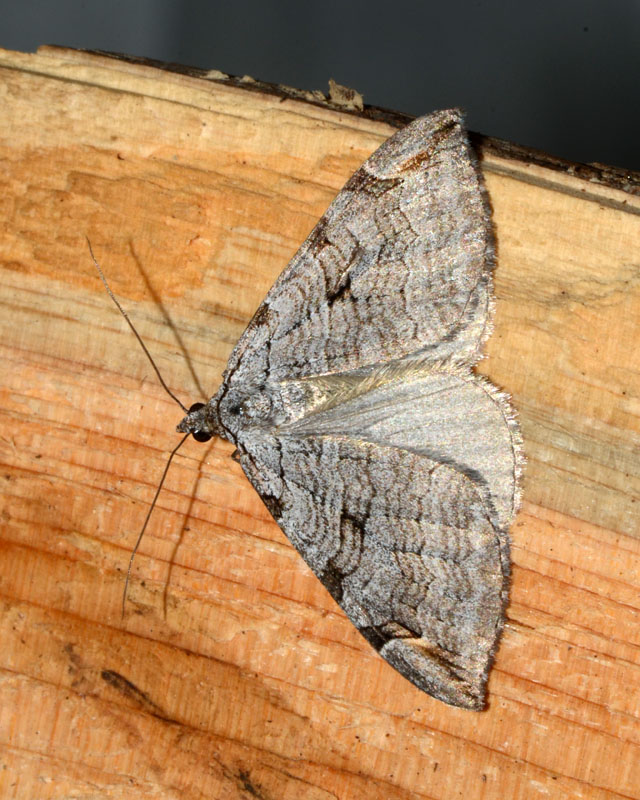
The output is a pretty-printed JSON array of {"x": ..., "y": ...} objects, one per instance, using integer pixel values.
[
  {"x": 355, "y": 412},
  {"x": 352, "y": 402}
]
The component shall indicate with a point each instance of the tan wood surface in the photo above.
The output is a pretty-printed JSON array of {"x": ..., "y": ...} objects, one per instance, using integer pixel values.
[{"x": 234, "y": 674}]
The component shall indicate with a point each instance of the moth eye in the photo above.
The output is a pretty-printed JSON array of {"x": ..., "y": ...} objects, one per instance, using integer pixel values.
[{"x": 235, "y": 410}]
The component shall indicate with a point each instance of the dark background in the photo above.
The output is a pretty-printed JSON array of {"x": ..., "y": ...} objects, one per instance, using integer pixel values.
[{"x": 558, "y": 75}]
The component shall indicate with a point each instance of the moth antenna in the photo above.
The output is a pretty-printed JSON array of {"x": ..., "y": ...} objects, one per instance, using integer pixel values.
[
  {"x": 144, "y": 526},
  {"x": 173, "y": 397},
  {"x": 137, "y": 335}
]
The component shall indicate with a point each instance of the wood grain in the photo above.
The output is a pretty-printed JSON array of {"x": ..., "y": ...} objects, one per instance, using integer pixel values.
[{"x": 234, "y": 675}]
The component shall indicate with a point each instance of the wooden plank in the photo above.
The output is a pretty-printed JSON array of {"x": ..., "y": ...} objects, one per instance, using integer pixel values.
[{"x": 234, "y": 674}]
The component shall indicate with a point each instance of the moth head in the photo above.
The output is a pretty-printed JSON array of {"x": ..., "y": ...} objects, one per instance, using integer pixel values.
[{"x": 201, "y": 421}]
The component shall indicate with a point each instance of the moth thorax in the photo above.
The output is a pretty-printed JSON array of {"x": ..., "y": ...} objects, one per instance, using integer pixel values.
[{"x": 251, "y": 406}]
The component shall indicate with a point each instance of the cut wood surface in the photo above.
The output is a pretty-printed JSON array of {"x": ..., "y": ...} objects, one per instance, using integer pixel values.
[{"x": 233, "y": 673}]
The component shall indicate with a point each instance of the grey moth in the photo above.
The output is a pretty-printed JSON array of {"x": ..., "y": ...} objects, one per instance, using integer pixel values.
[{"x": 352, "y": 401}]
